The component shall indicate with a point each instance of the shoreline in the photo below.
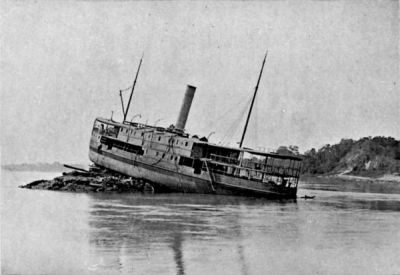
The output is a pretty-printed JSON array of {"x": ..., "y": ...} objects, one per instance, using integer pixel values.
[{"x": 344, "y": 177}]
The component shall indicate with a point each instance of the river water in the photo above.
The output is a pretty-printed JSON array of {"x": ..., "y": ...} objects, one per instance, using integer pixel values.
[{"x": 338, "y": 232}]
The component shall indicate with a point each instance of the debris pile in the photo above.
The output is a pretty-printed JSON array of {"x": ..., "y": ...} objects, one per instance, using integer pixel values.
[{"x": 94, "y": 180}]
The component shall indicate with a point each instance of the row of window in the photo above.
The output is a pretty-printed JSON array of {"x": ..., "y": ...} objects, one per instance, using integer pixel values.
[
  {"x": 163, "y": 155},
  {"x": 131, "y": 131},
  {"x": 185, "y": 161},
  {"x": 110, "y": 143},
  {"x": 149, "y": 136}
]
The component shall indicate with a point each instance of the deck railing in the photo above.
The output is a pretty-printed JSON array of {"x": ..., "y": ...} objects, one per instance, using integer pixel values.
[
  {"x": 257, "y": 167},
  {"x": 224, "y": 159},
  {"x": 254, "y": 175}
]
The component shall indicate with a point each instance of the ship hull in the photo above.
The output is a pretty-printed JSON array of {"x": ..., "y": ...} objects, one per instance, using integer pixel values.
[{"x": 168, "y": 179}]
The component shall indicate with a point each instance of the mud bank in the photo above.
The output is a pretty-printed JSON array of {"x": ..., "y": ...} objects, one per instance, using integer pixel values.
[{"x": 99, "y": 181}]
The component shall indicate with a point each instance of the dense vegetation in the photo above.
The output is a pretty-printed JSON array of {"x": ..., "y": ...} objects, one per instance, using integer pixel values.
[{"x": 369, "y": 156}]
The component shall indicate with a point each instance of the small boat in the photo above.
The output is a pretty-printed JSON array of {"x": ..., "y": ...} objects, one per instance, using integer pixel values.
[
  {"x": 307, "y": 197},
  {"x": 175, "y": 161}
]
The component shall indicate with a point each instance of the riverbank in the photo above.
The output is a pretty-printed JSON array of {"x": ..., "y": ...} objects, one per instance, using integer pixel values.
[
  {"x": 344, "y": 176},
  {"x": 349, "y": 183}
]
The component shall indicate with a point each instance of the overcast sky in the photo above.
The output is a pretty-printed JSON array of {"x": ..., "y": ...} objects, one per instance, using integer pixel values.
[{"x": 332, "y": 71}]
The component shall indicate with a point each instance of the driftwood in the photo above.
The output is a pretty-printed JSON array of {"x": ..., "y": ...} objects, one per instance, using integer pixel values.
[
  {"x": 94, "y": 180},
  {"x": 75, "y": 168}
]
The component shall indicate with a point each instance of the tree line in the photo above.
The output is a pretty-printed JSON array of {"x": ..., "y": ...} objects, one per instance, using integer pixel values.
[{"x": 367, "y": 156}]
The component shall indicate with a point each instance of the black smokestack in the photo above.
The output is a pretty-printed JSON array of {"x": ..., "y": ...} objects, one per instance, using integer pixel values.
[{"x": 185, "y": 108}]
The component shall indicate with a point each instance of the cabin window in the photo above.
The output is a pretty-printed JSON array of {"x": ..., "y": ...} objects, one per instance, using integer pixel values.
[
  {"x": 122, "y": 146},
  {"x": 172, "y": 157},
  {"x": 159, "y": 138},
  {"x": 186, "y": 161},
  {"x": 186, "y": 143},
  {"x": 142, "y": 134},
  {"x": 156, "y": 153},
  {"x": 163, "y": 155},
  {"x": 176, "y": 158}
]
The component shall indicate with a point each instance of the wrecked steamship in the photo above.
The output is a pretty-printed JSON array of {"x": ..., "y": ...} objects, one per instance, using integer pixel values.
[{"x": 174, "y": 161}]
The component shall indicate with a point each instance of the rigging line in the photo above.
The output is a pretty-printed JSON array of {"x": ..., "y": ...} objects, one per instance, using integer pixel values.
[
  {"x": 235, "y": 124},
  {"x": 169, "y": 146},
  {"x": 234, "y": 132},
  {"x": 220, "y": 117},
  {"x": 230, "y": 134},
  {"x": 236, "y": 120},
  {"x": 172, "y": 142},
  {"x": 233, "y": 107},
  {"x": 231, "y": 131},
  {"x": 240, "y": 118}
]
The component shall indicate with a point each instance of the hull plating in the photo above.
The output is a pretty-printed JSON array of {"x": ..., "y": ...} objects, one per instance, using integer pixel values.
[{"x": 179, "y": 180}]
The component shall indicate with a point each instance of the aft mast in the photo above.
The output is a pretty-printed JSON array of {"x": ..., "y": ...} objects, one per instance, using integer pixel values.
[
  {"x": 252, "y": 102},
  {"x": 133, "y": 88}
]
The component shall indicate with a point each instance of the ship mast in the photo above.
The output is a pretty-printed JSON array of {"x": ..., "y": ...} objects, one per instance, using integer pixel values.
[
  {"x": 122, "y": 102},
  {"x": 252, "y": 102},
  {"x": 133, "y": 88}
]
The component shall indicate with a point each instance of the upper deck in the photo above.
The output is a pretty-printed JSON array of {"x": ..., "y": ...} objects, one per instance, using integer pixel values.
[{"x": 165, "y": 143}]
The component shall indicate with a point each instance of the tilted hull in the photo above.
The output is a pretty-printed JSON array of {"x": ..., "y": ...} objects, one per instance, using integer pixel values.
[
  {"x": 167, "y": 179},
  {"x": 164, "y": 179}
]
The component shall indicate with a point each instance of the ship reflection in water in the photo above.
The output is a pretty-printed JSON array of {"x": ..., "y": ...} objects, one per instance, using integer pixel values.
[
  {"x": 338, "y": 232},
  {"x": 173, "y": 233},
  {"x": 200, "y": 234}
]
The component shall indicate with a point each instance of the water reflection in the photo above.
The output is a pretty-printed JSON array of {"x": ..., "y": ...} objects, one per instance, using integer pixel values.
[
  {"x": 134, "y": 226},
  {"x": 338, "y": 232},
  {"x": 186, "y": 234},
  {"x": 178, "y": 255}
]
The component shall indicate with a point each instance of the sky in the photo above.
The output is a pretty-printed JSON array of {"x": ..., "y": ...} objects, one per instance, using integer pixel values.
[{"x": 332, "y": 71}]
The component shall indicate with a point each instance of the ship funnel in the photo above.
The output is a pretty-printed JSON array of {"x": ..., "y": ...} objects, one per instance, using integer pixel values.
[{"x": 185, "y": 108}]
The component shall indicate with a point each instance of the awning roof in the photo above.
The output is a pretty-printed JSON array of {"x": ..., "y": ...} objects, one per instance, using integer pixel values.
[{"x": 250, "y": 151}]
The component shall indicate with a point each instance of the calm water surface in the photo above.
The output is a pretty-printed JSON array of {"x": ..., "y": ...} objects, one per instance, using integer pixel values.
[{"x": 339, "y": 232}]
